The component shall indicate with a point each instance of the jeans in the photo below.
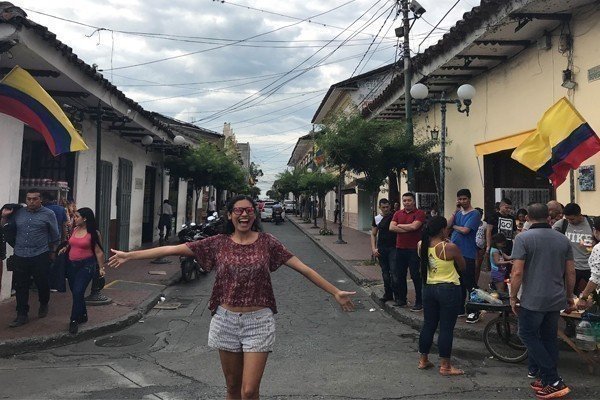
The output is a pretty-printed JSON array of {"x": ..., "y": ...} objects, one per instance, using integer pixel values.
[
  {"x": 467, "y": 281},
  {"x": 538, "y": 331},
  {"x": 27, "y": 267},
  {"x": 387, "y": 262},
  {"x": 440, "y": 306},
  {"x": 407, "y": 259},
  {"x": 79, "y": 274}
]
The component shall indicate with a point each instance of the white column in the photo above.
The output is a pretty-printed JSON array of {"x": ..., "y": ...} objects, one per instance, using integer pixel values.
[{"x": 10, "y": 177}]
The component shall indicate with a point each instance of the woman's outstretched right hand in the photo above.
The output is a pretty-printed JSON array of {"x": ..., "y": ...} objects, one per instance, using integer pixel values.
[{"x": 119, "y": 258}]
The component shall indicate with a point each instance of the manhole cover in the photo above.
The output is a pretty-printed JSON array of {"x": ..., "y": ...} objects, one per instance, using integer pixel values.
[{"x": 119, "y": 341}]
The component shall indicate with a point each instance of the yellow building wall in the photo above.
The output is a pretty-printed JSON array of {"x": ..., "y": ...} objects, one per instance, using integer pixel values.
[{"x": 511, "y": 98}]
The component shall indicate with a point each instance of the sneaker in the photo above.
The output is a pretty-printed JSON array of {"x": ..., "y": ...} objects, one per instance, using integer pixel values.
[
  {"x": 19, "y": 321},
  {"x": 43, "y": 311},
  {"x": 385, "y": 299},
  {"x": 417, "y": 308},
  {"x": 400, "y": 303},
  {"x": 559, "y": 389},
  {"x": 83, "y": 319},
  {"x": 73, "y": 327},
  {"x": 472, "y": 318},
  {"x": 462, "y": 314},
  {"x": 536, "y": 385},
  {"x": 532, "y": 374}
]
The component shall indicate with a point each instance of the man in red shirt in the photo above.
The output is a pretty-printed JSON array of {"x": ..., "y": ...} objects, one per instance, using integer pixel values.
[{"x": 408, "y": 224}]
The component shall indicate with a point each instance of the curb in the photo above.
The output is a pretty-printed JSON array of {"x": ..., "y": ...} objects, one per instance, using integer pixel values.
[
  {"x": 19, "y": 346},
  {"x": 402, "y": 315},
  {"x": 338, "y": 260}
]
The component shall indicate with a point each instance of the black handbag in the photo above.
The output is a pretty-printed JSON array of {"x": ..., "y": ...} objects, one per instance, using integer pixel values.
[{"x": 11, "y": 263}]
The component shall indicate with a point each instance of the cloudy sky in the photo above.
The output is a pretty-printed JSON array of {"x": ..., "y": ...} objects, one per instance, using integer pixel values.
[{"x": 263, "y": 65}]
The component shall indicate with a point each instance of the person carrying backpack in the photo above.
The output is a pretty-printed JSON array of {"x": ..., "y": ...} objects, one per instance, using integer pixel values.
[{"x": 578, "y": 228}]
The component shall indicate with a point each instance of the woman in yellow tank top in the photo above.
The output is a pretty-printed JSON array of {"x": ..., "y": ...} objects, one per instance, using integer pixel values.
[{"x": 441, "y": 263}]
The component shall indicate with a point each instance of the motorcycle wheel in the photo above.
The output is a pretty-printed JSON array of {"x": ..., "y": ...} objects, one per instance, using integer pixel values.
[{"x": 188, "y": 272}]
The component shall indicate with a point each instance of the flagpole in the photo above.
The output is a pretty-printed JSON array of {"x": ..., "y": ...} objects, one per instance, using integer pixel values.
[{"x": 572, "y": 186}]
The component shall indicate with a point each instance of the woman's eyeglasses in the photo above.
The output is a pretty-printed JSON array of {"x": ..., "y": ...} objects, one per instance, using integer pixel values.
[{"x": 240, "y": 210}]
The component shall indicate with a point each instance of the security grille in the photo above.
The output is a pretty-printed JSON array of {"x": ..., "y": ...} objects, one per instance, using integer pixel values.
[{"x": 522, "y": 197}]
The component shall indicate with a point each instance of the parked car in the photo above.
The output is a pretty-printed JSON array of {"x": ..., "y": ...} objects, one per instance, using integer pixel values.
[
  {"x": 289, "y": 206},
  {"x": 266, "y": 214}
]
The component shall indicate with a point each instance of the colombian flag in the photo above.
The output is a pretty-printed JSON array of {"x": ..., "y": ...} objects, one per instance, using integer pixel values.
[
  {"x": 562, "y": 141},
  {"x": 22, "y": 97}
]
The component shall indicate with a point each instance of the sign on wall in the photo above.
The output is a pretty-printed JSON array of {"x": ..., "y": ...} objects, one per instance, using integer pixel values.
[
  {"x": 587, "y": 178},
  {"x": 139, "y": 184}
]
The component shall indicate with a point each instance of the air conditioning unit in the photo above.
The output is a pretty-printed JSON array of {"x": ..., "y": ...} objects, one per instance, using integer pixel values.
[
  {"x": 426, "y": 201},
  {"x": 521, "y": 197}
]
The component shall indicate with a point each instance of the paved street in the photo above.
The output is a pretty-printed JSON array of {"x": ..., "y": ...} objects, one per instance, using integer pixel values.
[{"x": 321, "y": 353}]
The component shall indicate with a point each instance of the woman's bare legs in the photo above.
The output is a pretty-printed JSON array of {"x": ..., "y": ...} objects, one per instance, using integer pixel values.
[
  {"x": 233, "y": 368},
  {"x": 254, "y": 366},
  {"x": 243, "y": 373}
]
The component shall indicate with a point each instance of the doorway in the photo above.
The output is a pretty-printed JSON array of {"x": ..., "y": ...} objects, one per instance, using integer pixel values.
[
  {"x": 148, "y": 211},
  {"x": 507, "y": 177},
  {"x": 124, "y": 203}
]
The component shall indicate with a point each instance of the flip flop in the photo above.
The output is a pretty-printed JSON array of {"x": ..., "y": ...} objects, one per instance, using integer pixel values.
[{"x": 451, "y": 371}]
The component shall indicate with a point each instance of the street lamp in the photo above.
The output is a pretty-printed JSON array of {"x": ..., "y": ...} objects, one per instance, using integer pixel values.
[{"x": 465, "y": 94}]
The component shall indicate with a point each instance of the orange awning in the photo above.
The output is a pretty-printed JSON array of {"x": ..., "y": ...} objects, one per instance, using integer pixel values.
[{"x": 503, "y": 143}]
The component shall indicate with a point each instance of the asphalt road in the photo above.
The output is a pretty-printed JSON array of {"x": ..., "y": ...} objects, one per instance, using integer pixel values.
[{"x": 321, "y": 352}]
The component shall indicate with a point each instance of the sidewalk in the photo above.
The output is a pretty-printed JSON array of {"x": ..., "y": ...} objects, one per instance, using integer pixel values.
[
  {"x": 355, "y": 259},
  {"x": 132, "y": 288}
]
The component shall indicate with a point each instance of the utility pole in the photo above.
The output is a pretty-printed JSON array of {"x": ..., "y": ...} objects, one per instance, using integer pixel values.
[{"x": 407, "y": 83}]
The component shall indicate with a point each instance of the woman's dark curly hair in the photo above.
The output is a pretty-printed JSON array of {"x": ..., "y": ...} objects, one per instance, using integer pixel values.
[{"x": 229, "y": 228}]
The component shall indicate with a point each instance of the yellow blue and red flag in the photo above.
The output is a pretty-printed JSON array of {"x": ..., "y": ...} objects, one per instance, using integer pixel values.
[
  {"x": 22, "y": 97},
  {"x": 561, "y": 142}
]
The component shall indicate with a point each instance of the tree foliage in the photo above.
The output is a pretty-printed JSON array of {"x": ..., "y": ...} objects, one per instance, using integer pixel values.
[
  {"x": 374, "y": 148},
  {"x": 255, "y": 172},
  {"x": 319, "y": 183}
]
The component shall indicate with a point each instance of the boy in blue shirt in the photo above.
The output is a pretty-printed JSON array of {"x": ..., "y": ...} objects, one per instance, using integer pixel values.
[{"x": 463, "y": 225}]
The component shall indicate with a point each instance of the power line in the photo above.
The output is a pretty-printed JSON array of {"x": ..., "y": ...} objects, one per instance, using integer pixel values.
[
  {"x": 436, "y": 25},
  {"x": 252, "y": 98},
  {"x": 373, "y": 41},
  {"x": 232, "y": 43}
]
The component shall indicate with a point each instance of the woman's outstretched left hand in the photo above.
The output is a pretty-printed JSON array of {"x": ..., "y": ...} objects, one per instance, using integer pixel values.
[{"x": 344, "y": 300}]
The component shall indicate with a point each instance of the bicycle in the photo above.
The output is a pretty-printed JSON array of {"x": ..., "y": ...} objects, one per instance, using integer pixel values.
[{"x": 500, "y": 335}]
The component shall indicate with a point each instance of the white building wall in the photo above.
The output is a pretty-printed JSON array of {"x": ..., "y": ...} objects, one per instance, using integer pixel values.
[
  {"x": 181, "y": 203},
  {"x": 113, "y": 148},
  {"x": 10, "y": 175}
]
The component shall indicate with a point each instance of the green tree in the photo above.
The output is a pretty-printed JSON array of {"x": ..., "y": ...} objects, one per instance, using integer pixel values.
[
  {"x": 319, "y": 183},
  {"x": 254, "y": 192},
  {"x": 289, "y": 182},
  {"x": 206, "y": 165},
  {"x": 374, "y": 148},
  {"x": 255, "y": 172}
]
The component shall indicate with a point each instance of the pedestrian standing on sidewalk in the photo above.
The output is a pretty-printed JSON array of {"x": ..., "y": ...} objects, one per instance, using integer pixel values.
[
  {"x": 165, "y": 220},
  {"x": 408, "y": 224},
  {"x": 578, "y": 228},
  {"x": 383, "y": 246},
  {"x": 543, "y": 268},
  {"x": 336, "y": 212},
  {"x": 441, "y": 263},
  {"x": 36, "y": 240},
  {"x": 594, "y": 263},
  {"x": 85, "y": 254},
  {"x": 463, "y": 224},
  {"x": 502, "y": 221},
  {"x": 242, "y": 301}
]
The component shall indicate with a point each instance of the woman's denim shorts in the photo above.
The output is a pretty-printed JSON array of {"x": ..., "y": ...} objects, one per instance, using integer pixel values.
[{"x": 248, "y": 332}]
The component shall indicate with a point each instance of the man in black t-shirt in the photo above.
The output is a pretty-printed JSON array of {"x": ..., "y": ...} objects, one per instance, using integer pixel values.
[
  {"x": 383, "y": 246},
  {"x": 502, "y": 222}
]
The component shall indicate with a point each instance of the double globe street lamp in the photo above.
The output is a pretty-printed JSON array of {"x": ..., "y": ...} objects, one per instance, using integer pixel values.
[{"x": 465, "y": 94}]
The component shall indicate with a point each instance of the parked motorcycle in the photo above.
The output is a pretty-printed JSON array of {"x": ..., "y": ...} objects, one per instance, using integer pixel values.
[
  {"x": 278, "y": 215},
  {"x": 190, "y": 269}
]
